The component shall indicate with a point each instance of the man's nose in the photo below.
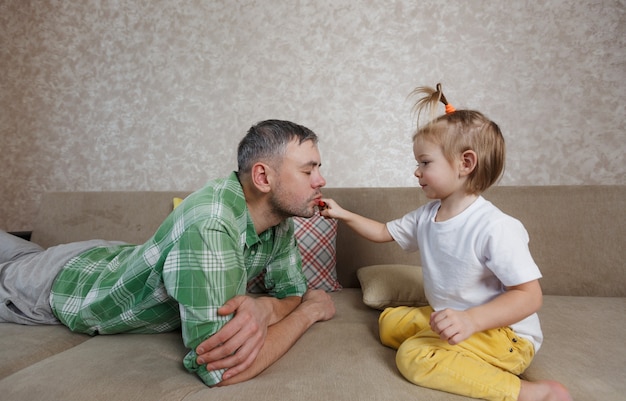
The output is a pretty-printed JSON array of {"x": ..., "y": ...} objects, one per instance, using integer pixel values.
[{"x": 320, "y": 182}]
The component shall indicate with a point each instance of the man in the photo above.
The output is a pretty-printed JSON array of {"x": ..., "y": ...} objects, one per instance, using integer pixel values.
[{"x": 193, "y": 271}]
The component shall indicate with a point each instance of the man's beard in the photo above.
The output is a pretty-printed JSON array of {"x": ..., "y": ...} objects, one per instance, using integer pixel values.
[{"x": 285, "y": 209}]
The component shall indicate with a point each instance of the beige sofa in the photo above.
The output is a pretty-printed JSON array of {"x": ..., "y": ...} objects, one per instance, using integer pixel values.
[{"x": 577, "y": 237}]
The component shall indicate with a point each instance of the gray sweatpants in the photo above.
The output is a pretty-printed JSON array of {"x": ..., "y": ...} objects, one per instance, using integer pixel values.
[{"x": 27, "y": 272}]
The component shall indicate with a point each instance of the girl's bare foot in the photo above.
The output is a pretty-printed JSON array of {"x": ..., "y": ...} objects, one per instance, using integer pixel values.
[{"x": 545, "y": 390}]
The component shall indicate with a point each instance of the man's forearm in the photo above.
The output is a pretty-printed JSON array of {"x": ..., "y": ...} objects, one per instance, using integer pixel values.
[
  {"x": 316, "y": 306},
  {"x": 279, "y": 308},
  {"x": 280, "y": 338}
]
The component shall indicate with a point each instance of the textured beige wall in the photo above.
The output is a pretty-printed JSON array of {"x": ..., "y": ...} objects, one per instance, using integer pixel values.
[{"x": 155, "y": 94}]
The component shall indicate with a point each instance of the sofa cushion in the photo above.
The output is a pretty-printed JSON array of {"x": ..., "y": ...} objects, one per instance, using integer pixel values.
[
  {"x": 392, "y": 285},
  {"x": 583, "y": 346},
  {"x": 340, "y": 359},
  {"x": 316, "y": 237},
  {"x": 22, "y": 345}
]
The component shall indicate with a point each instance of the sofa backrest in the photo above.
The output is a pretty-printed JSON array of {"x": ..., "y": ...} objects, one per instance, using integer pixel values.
[{"x": 577, "y": 233}]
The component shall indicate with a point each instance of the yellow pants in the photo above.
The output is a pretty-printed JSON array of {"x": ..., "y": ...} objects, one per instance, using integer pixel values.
[{"x": 484, "y": 366}]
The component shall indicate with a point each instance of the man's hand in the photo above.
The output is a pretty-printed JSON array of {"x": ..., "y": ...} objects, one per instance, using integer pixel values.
[
  {"x": 316, "y": 306},
  {"x": 238, "y": 343}
]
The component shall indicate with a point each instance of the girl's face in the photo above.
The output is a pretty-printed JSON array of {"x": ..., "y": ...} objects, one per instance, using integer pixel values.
[{"x": 437, "y": 177}]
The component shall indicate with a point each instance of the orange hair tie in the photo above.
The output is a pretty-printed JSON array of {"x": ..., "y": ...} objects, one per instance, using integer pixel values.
[{"x": 442, "y": 98}]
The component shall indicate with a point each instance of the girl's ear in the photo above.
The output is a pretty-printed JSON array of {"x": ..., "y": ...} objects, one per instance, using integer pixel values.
[
  {"x": 261, "y": 177},
  {"x": 469, "y": 159}
]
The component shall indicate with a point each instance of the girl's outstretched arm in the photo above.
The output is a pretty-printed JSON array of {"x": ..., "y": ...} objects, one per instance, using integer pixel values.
[{"x": 367, "y": 228}]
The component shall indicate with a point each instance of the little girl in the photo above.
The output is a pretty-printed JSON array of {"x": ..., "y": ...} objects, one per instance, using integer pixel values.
[{"x": 480, "y": 330}]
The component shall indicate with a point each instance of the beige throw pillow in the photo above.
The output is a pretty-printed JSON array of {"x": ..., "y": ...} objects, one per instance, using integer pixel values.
[{"x": 392, "y": 285}]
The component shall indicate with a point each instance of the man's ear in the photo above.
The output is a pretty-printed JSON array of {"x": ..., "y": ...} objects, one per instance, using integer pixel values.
[
  {"x": 261, "y": 176},
  {"x": 469, "y": 160}
]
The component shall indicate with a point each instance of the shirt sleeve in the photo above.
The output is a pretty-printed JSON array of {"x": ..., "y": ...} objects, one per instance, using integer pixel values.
[
  {"x": 202, "y": 271},
  {"x": 404, "y": 229},
  {"x": 507, "y": 253}
]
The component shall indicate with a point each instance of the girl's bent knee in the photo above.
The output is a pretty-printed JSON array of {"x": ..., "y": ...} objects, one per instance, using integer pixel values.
[
  {"x": 415, "y": 363},
  {"x": 390, "y": 326},
  {"x": 401, "y": 323}
]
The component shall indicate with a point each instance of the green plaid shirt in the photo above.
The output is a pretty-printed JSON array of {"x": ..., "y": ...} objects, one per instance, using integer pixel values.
[{"x": 201, "y": 256}]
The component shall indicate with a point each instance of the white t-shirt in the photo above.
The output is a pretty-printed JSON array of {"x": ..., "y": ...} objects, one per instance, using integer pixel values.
[{"x": 469, "y": 259}]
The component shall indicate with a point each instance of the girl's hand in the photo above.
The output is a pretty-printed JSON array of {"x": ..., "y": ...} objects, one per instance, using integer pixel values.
[
  {"x": 331, "y": 209},
  {"x": 452, "y": 325},
  {"x": 513, "y": 305},
  {"x": 367, "y": 228}
]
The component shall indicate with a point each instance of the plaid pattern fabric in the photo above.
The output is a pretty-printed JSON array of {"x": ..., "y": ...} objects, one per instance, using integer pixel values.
[
  {"x": 316, "y": 238},
  {"x": 200, "y": 257}
]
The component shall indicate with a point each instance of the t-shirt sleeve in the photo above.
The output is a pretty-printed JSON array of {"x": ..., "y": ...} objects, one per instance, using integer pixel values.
[
  {"x": 404, "y": 230},
  {"x": 507, "y": 252}
]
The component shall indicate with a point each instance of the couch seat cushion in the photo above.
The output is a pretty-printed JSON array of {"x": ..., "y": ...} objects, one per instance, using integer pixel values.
[
  {"x": 341, "y": 359},
  {"x": 25, "y": 345}
]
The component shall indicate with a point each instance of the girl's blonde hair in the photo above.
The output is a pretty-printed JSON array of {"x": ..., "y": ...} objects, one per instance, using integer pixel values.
[{"x": 458, "y": 131}]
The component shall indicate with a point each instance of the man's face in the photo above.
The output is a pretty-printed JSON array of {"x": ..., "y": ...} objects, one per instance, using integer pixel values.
[{"x": 297, "y": 188}]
